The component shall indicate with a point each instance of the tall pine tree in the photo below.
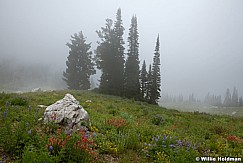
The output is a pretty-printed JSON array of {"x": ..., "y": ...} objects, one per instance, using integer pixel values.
[
  {"x": 235, "y": 99},
  {"x": 119, "y": 55},
  {"x": 143, "y": 80},
  {"x": 104, "y": 55},
  {"x": 227, "y": 100},
  {"x": 156, "y": 79},
  {"x": 79, "y": 64},
  {"x": 148, "y": 84},
  {"x": 110, "y": 56},
  {"x": 132, "y": 85}
]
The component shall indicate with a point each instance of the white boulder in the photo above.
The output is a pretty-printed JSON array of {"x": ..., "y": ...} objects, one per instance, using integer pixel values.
[{"x": 67, "y": 112}]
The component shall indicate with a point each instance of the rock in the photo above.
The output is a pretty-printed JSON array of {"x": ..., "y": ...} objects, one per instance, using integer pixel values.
[
  {"x": 233, "y": 113},
  {"x": 67, "y": 112},
  {"x": 88, "y": 101},
  {"x": 36, "y": 90},
  {"x": 42, "y": 106}
]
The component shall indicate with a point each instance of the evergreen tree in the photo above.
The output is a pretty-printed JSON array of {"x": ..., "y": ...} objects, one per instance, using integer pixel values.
[
  {"x": 143, "y": 80},
  {"x": 79, "y": 64},
  {"x": 227, "y": 100},
  {"x": 104, "y": 56},
  {"x": 148, "y": 84},
  {"x": 110, "y": 52},
  {"x": 156, "y": 79},
  {"x": 235, "y": 98},
  {"x": 131, "y": 85},
  {"x": 119, "y": 55},
  {"x": 240, "y": 101}
]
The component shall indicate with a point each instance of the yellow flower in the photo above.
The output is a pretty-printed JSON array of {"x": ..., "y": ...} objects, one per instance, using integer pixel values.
[{"x": 162, "y": 157}]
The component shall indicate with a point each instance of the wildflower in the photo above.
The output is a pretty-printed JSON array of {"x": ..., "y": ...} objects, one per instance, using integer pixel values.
[
  {"x": 233, "y": 138},
  {"x": 29, "y": 108},
  {"x": 69, "y": 132},
  {"x": 7, "y": 104},
  {"x": 156, "y": 139},
  {"x": 59, "y": 131},
  {"x": 86, "y": 135},
  {"x": 5, "y": 114},
  {"x": 172, "y": 146},
  {"x": 165, "y": 137},
  {"x": 94, "y": 134},
  {"x": 37, "y": 110},
  {"x": 188, "y": 144},
  {"x": 207, "y": 151},
  {"x": 50, "y": 148},
  {"x": 29, "y": 132},
  {"x": 179, "y": 143},
  {"x": 4, "y": 157}
]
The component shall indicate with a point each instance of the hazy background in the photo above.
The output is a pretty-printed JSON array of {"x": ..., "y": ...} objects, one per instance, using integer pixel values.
[{"x": 201, "y": 40}]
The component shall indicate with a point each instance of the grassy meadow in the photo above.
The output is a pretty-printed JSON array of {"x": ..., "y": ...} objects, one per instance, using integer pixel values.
[{"x": 120, "y": 130}]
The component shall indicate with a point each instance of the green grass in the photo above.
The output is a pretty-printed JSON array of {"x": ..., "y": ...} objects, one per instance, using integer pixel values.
[{"x": 123, "y": 131}]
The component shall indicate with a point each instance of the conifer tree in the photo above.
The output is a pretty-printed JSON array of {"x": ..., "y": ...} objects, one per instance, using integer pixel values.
[
  {"x": 227, "y": 100},
  {"x": 148, "y": 84},
  {"x": 240, "y": 101},
  {"x": 156, "y": 79},
  {"x": 143, "y": 80},
  {"x": 79, "y": 64},
  {"x": 119, "y": 55},
  {"x": 110, "y": 56},
  {"x": 132, "y": 85},
  {"x": 104, "y": 55},
  {"x": 235, "y": 98}
]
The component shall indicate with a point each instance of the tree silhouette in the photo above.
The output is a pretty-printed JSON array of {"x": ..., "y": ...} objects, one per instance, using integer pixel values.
[
  {"x": 132, "y": 85},
  {"x": 79, "y": 64}
]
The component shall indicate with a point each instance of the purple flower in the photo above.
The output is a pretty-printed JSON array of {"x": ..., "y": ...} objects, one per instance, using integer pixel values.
[
  {"x": 179, "y": 143},
  {"x": 172, "y": 146},
  {"x": 37, "y": 110},
  {"x": 188, "y": 144},
  {"x": 165, "y": 137},
  {"x": 7, "y": 104},
  {"x": 50, "y": 148},
  {"x": 5, "y": 114},
  {"x": 94, "y": 134},
  {"x": 69, "y": 132},
  {"x": 207, "y": 151},
  {"x": 29, "y": 132},
  {"x": 4, "y": 157}
]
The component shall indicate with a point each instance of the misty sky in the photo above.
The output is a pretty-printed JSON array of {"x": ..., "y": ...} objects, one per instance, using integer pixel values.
[{"x": 201, "y": 40}]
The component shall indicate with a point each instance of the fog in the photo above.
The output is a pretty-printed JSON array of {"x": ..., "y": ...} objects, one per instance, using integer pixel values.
[{"x": 201, "y": 40}]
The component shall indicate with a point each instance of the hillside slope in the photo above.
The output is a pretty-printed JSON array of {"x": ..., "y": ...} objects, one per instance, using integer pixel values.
[{"x": 120, "y": 130}]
